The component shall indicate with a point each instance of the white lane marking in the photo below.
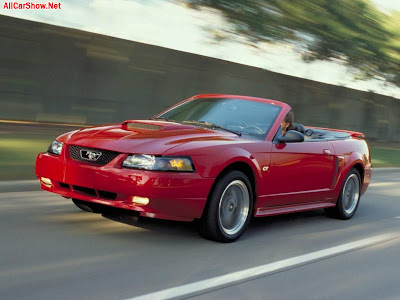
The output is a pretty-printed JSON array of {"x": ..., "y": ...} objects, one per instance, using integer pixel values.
[
  {"x": 207, "y": 285},
  {"x": 378, "y": 184},
  {"x": 397, "y": 217}
]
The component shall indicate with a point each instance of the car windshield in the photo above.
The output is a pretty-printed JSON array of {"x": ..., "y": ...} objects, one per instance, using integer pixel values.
[{"x": 246, "y": 117}]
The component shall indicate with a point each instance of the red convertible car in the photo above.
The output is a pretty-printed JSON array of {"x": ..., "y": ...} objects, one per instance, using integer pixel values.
[{"x": 221, "y": 159}]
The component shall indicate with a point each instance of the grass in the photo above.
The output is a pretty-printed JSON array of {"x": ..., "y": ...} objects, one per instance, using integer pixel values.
[
  {"x": 385, "y": 156},
  {"x": 18, "y": 155}
]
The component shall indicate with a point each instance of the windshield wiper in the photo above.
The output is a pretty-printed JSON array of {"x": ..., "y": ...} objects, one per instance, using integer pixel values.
[
  {"x": 211, "y": 125},
  {"x": 163, "y": 119}
]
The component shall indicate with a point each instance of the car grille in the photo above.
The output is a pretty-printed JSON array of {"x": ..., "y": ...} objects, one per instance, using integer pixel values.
[{"x": 105, "y": 158}]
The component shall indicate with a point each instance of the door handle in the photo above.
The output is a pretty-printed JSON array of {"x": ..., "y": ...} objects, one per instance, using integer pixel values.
[{"x": 326, "y": 152}]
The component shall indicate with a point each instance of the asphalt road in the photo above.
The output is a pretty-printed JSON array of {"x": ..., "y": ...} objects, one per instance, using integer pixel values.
[{"x": 51, "y": 250}]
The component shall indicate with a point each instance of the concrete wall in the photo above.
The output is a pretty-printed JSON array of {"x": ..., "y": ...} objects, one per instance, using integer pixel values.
[{"x": 55, "y": 74}]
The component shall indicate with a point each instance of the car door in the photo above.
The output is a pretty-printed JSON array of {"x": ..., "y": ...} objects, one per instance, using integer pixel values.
[{"x": 298, "y": 173}]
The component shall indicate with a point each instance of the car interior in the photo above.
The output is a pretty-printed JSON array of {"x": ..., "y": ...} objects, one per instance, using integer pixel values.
[{"x": 315, "y": 135}]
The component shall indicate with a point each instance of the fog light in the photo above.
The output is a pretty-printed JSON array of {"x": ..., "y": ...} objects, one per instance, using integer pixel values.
[
  {"x": 140, "y": 200},
  {"x": 46, "y": 182}
]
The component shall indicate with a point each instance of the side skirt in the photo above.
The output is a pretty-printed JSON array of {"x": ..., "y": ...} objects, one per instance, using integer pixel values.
[{"x": 287, "y": 209}]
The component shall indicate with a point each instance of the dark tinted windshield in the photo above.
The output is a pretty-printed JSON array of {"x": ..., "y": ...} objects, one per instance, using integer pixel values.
[{"x": 247, "y": 117}]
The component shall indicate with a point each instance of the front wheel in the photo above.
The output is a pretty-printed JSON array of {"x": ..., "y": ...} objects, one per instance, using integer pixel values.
[
  {"x": 229, "y": 208},
  {"x": 349, "y": 198}
]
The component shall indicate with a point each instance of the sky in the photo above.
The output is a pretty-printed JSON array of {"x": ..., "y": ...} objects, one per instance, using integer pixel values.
[
  {"x": 387, "y": 4},
  {"x": 170, "y": 24}
]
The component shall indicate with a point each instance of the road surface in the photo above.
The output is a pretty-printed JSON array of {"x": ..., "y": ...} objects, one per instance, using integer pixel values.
[{"x": 49, "y": 249}]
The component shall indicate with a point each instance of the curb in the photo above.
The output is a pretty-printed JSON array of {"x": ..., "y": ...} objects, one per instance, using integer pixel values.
[{"x": 385, "y": 170}]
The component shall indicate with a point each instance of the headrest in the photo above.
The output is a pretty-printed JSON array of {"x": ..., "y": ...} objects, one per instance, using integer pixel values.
[{"x": 298, "y": 127}]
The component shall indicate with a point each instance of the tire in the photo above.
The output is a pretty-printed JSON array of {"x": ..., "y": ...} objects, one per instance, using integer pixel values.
[
  {"x": 349, "y": 197},
  {"x": 89, "y": 207},
  {"x": 229, "y": 208}
]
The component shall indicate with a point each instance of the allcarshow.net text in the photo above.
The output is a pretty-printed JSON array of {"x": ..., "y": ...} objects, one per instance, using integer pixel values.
[{"x": 31, "y": 5}]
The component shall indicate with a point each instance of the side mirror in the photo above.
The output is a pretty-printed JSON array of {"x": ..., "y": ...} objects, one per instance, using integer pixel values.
[{"x": 291, "y": 136}]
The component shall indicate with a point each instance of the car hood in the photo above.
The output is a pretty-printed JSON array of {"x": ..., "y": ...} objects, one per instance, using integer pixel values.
[{"x": 144, "y": 136}]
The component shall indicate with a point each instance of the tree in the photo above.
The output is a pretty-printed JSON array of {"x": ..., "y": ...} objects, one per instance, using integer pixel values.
[{"x": 353, "y": 31}]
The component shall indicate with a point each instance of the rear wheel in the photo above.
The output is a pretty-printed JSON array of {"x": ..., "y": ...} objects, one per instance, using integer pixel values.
[
  {"x": 229, "y": 208},
  {"x": 89, "y": 207},
  {"x": 349, "y": 198}
]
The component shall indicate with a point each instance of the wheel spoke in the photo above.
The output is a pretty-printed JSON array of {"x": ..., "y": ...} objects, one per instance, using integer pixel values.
[
  {"x": 234, "y": 207},
  {"x": 351, "y": 193}
]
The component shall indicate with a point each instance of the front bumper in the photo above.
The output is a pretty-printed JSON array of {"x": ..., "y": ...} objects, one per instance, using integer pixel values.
[{"x": 172, "y": 195}]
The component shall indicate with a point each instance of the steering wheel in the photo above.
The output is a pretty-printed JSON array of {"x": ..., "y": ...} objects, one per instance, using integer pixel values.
[
  {"x": 242, "y": 124},
  {"x": 260, "y": 131}
]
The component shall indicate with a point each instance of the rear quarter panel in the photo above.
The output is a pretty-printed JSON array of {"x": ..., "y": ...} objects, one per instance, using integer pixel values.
[{"x": 354, "y": 151}]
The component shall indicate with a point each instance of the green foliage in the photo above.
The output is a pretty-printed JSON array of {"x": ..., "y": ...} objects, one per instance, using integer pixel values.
[
  {"x": 353, "y": 31},
  {"x": 385, "y": 156}
]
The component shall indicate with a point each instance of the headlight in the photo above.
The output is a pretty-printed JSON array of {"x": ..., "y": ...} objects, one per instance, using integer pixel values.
[
  {"x": 155, "y": 163},
  {"x": 55, "y": 148}
]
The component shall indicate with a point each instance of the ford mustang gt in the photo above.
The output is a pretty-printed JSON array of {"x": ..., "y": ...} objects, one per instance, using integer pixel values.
[{"x": 221, "y": 159}]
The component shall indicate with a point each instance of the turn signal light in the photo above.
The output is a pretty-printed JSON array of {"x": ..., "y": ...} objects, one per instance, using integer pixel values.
[
  {"x": 140, "y": 200},
  {"x": 46, "y": 182}
]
